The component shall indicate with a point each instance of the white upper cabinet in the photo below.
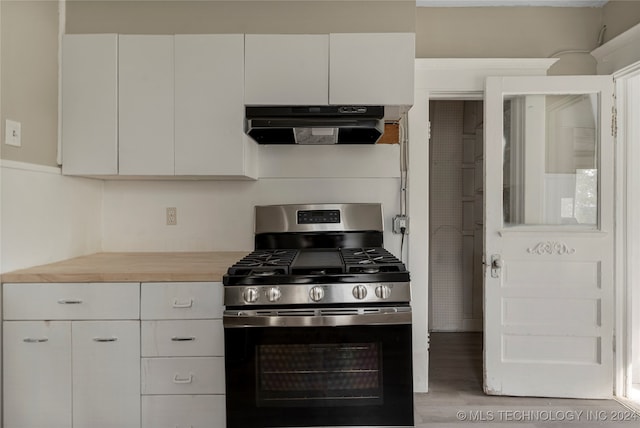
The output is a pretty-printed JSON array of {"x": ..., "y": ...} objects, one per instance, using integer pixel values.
[
  {"x": 286, "y": 69},
  {"x": 209, "y": 112},
  {"x": 338, "y": 69},
  {"x": 146, "y": 105},
  {"x": 371, "y": 68},
  {"x": 155, "y": 105},
  {"x": 90, "y": 104}
]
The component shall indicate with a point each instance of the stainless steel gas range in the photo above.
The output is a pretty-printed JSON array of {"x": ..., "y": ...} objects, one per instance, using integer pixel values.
[{"x": 318, "y": 323}]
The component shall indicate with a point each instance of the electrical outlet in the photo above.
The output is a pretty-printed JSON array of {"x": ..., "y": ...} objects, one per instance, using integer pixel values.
[
  {"x": 400, "y": 223},
  {"x": 172, "y": 216}
]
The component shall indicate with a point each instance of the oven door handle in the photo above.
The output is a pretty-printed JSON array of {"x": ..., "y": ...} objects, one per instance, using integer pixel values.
[{"x": 315, "y": 318}]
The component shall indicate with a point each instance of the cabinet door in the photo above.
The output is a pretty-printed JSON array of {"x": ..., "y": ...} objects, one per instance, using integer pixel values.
[
  {"x": 37, "y": 374},
  {"x": 283, "y": 69},
  {"x": 372, "y": 68},
  {"x": 146, "y": 105},
  {"x": 209, "y": 108},
  {"x": 89, "y": 94},
  {"x": 106, "y": 374}
]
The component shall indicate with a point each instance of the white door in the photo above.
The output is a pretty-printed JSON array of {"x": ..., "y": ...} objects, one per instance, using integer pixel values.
[{"x": 549, "y": 236}]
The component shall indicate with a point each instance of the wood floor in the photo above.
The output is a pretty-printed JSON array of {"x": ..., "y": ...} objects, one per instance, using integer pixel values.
[{"x": 456, "y": 398}]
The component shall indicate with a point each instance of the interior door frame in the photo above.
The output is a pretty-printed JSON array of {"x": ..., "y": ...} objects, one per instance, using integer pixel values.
[
  {"x": 441, "y": 78},
  {"x": 627, "y": 287}
]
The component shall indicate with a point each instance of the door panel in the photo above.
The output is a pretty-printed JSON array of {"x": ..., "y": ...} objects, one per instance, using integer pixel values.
[{"x": 549, "y": 236}]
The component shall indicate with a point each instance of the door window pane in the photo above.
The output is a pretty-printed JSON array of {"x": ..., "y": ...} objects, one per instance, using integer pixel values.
[{"x": 550, "y": 169}]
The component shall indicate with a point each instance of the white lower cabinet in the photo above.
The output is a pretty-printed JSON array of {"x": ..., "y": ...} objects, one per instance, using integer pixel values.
[
  {"x": 80, "y": 374},
  {"x": 182, "y": 366},
  {"x": 81, "y": 370},
  {"x": 183, "y": 411},
  {"x": 113, "y": 355},
  {"x": 106, "y": 374},
  {"x": 37, "y": 374}
]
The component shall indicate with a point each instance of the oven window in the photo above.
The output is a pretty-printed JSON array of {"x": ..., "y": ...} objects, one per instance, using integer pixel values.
[{"x": 319, "y": 374}]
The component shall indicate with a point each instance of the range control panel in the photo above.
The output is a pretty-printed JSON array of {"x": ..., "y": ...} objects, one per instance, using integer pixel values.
[{"x": 318, "y": 216}]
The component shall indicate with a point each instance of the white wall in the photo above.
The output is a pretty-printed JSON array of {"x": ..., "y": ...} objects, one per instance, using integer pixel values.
[
  {"x": 240, "y": 16},
  {"x": 30, "y": 78},
  {"x": 619, "y": 16},
  {"x": 511, "y": 32},
  {"x": 46, "y": 217},
  {"x": 218, "y": 215}
]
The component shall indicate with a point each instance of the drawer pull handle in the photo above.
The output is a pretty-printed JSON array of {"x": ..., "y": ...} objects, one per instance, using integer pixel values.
[
  {"x": 177, "y": 379},
  {"x": 190, "y": 426},
  {"x": 35, "y": 339},
  {"x": 177, "y": 304},
  {"x": 105, "y": 339},
  {"x": 69, "y": 301},
  {"x": 183, "y": 339}
]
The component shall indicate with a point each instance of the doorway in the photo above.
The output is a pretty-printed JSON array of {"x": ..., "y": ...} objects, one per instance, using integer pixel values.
[
  {"x": 456, "y": 244},
  {"x": 466, "y": 79}
]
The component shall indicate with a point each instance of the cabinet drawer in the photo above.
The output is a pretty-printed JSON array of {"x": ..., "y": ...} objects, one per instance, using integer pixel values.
[
  {"x": 73, "y": 301},
  {"x": 196, "y": 375},
  {"x": 183, "y": 411},
  {"x": 177, "y": 338},
  {"x": 181, "y": 300}
]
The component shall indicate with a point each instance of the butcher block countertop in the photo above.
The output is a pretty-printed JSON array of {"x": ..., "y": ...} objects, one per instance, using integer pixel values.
[{"x": 132, "y": 267}]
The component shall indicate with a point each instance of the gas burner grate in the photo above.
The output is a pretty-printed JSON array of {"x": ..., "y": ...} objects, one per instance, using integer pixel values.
[
  {"x": 264, "y": 263},
  {"x": 370, "y": 260}
]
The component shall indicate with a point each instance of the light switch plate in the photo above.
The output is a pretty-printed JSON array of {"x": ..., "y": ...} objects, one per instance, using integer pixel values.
[{"x": 12, "y": 133}]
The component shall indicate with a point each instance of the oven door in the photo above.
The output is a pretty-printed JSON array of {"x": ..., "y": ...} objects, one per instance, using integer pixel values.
[{"x": 311, "y": 368}]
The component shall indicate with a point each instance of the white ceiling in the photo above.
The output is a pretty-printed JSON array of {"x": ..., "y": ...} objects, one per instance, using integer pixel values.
[{"x": 482, "y": 3}]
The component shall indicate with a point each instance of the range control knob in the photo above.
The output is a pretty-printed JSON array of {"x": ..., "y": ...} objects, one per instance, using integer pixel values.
[
  {"x": 316, "y": 293},
  {"x": 250, "y": 295},
  {"x": 383, "y": 292},
  {"x": 359, "y": 292},
  {"x": 273, "y": 294}
]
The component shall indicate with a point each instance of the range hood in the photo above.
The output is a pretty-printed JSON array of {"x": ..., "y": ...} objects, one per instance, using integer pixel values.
[{"x": 315, "y": 124}]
